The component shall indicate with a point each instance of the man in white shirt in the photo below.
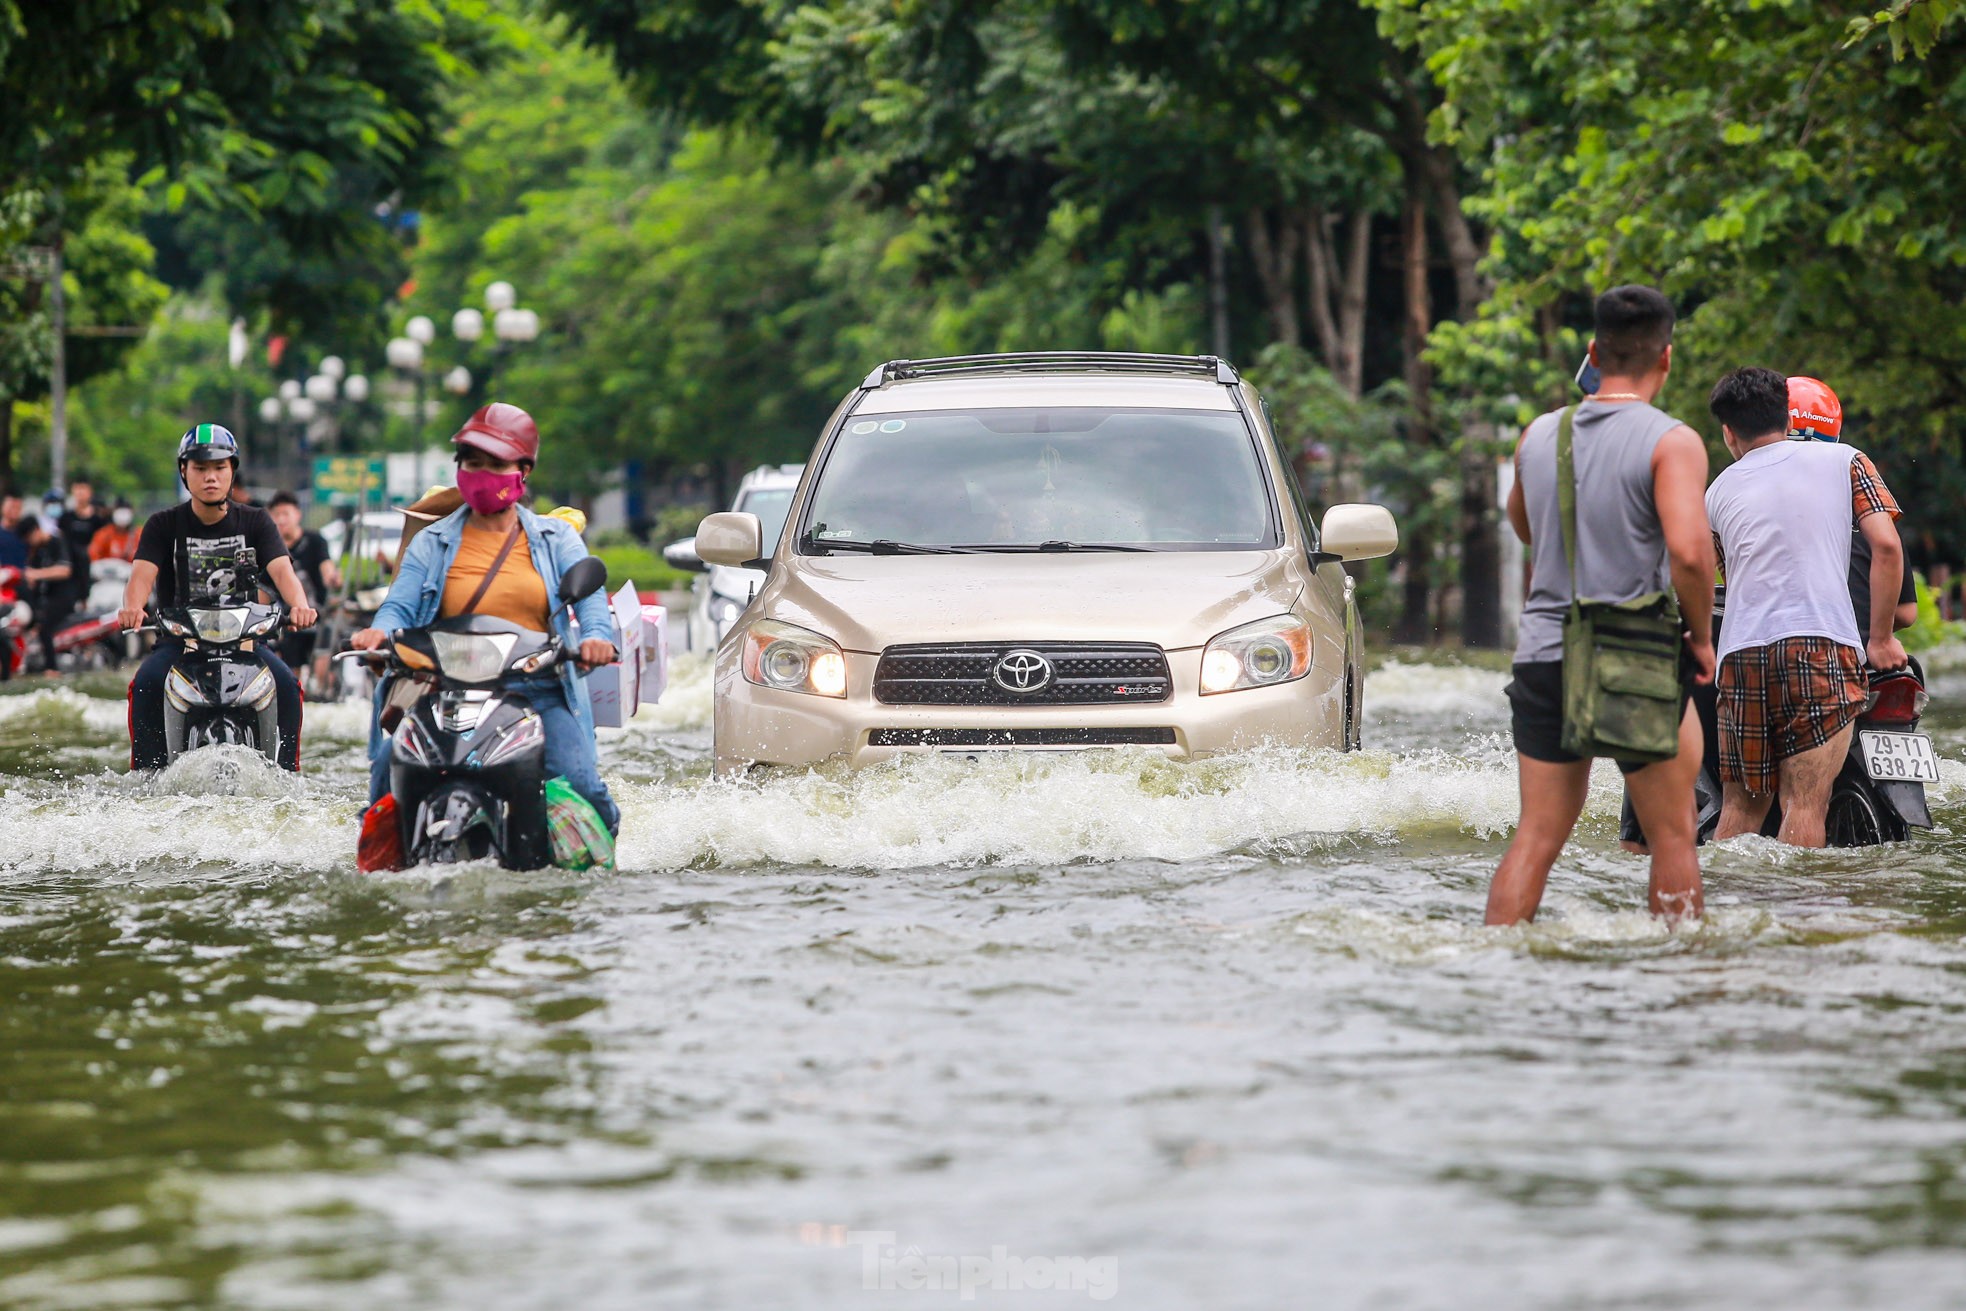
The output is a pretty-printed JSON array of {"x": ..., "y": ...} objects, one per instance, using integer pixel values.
[{"x": 1792, "y": 678}]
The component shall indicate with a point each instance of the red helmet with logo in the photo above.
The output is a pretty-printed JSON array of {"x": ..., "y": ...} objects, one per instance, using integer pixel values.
[
  {"x": 1814, "y": 411},
  {"x": 501, "y": 430}
]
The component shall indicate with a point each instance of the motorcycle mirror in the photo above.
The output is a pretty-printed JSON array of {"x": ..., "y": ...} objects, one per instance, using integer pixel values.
[{"x": 587, "y": 577}]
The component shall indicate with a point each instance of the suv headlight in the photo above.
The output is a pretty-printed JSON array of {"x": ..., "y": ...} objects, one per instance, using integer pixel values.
[
  {"x": 1262, "y": 654},
  {"x": 723, "y": 609},
  {"x": 793, "y": 659}
]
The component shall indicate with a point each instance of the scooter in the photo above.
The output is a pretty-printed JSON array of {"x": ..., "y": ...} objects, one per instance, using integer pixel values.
[
  {"x": 467, "y": 770},
  {"x": 1879, "y": 794},
  {"x": 16, "y": 620},
  {"x": 217, "y": 691}
]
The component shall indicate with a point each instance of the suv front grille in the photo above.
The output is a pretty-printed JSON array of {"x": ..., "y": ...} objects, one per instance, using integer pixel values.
[
  {"x": 1021, "y": 737},
  {"x": 967, "y": 674}
]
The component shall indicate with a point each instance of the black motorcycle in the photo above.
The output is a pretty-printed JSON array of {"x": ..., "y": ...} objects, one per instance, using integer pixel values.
[
  {"x": 218, "y": 692},
  {"x": 467, "y": 765},
  {"x": 1879, "y": 795}
]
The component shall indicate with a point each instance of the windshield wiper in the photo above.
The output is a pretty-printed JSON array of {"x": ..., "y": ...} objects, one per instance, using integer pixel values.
[
  {"x": 1060, "y": 545},
  {"x": 880, "y": 546}
]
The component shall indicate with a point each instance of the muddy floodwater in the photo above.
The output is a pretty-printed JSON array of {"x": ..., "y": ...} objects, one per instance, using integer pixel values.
[{"x": 1031, "y": 1031}]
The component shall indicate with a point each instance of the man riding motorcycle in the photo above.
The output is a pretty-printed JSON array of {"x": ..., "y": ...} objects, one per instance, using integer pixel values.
[
  {"x": 204, "y": 548},
  {"x": 497, "y": 558}
]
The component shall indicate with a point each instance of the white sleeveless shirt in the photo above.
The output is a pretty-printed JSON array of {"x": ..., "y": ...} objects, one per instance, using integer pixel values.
[{"x": 1783, "y": 514}]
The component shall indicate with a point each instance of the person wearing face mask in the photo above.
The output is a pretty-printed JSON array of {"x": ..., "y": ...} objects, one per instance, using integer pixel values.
[
  {"x": 496, "y": 557},
  {"x": 117, "y": 539}
]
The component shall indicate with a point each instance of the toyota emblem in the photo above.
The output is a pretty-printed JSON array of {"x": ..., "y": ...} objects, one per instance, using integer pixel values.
[{"x": 1023, "y": 672}]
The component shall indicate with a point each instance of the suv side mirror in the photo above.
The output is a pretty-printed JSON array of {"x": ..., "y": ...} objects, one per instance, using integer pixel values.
[
  {"x": 682, "y": 555},
  {"x": 731, "y": 538},
  {"x": 588, "y": 576},
  {"x": 1359, "y": 532}
]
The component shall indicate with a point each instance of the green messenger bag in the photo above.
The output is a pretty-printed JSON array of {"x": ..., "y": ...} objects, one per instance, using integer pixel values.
[{"x": 1621, "y": 659}]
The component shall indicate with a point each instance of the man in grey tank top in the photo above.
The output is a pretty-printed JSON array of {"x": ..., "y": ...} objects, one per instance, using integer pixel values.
[{"x": 1641, "y": 526}]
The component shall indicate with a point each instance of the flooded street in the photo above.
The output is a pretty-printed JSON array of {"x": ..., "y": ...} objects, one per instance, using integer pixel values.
[{"x": 1082, "y": 1028}]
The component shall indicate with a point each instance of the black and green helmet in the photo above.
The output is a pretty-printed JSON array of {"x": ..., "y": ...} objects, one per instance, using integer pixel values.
[{"x": 208, "y": 443}]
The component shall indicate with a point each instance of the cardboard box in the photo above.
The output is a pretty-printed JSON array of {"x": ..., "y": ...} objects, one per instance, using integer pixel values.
[
  {"x": 655, "y": 653},
  {"x": 616, "y": 689}
]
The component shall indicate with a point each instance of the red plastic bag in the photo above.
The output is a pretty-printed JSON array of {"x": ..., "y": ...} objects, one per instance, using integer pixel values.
[{"x": 381, "y": 845}]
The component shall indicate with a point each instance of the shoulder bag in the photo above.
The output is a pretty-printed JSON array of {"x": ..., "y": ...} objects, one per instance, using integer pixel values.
[{"x": 1621, "y": 659}]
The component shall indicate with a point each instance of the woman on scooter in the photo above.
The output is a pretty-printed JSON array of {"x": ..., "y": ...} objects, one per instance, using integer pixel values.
[{"x": 497, "y": 558}]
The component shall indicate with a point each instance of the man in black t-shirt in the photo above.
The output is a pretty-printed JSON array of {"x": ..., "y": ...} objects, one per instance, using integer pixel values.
[
  {"x": 50, "y": 579},
  {"x": 80, "y": 523},
  {"x": 208, "y": 549},
  {"x": 316, "y": 567}
]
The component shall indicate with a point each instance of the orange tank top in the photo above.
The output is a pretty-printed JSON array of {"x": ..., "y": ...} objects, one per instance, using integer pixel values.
[{"x": 517, "y": 595}]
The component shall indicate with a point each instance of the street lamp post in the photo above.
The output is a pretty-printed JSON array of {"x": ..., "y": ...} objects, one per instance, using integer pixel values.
[{"x": 405, "y": 354}]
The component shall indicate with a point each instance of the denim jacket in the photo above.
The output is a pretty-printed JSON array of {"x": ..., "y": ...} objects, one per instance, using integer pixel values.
[{"x": 418, "y": 592}]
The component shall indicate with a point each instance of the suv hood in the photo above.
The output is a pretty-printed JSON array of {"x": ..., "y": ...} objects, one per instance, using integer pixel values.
[{"x": 1177, "y": 599}]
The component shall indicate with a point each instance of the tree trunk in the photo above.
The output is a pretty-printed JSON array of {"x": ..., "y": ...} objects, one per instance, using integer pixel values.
[
  {"x": 1218, "y": 281},
  {"x": 1337, "y": 309},
  {"x": 1481, "y": 547},
  {"x": 7, "y": 447},
  {"x": 1416, "y": 623},
  {"x": 1276, "y": 268},
  {"x": 1471, "y": 286}
]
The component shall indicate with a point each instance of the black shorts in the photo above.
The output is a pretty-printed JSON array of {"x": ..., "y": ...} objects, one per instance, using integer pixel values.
[
  {"x": 1536, "y": 713},
  {"x": 296, "y": 647}
]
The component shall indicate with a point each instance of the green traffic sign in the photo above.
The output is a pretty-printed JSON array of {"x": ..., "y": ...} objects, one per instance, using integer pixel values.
[{"x": 346, "y": 479}]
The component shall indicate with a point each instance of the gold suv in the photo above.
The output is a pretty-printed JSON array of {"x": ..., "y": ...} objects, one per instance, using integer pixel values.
[{"x": 1043, "y": 552}]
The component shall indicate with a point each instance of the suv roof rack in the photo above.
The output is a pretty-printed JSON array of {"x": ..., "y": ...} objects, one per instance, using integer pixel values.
[{"x": 1208, "y": 366}]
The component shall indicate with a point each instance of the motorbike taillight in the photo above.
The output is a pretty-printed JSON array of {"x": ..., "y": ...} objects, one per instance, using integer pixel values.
[{"x": 1896, "y": 701}]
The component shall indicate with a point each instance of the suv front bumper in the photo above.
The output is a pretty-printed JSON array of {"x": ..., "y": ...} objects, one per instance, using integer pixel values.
[{"x": 763, "y": 726}]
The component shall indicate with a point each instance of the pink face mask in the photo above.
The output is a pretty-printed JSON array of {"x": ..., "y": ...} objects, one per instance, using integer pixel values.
[{"x": 489, "y": 493}]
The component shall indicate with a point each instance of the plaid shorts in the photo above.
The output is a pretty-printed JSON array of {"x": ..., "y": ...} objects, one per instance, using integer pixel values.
[{"x": 1782, "y": 699}]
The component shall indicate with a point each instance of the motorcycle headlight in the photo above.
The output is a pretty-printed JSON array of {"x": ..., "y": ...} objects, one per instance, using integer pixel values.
[
  {"x": 793, "y": 659},
  {"x": 265, "y": 624},
  {"x": 472, "y": 657},
  {"x": 219, "y": 626},
  {"x": 183, "y": 694},
  {"x": 414, "y": 744},
  {"x": 1262, "y": 654}
]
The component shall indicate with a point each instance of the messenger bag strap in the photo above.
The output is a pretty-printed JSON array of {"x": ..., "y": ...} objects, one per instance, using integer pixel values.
[
  {"x": 1566, "y": 498},
  {"x": 498, "y": 561}
]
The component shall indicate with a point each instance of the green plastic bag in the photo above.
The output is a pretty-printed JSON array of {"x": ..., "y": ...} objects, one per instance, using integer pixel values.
[{"x": 580, "y": 840}]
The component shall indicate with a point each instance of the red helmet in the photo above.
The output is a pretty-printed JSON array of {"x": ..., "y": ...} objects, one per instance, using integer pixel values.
[
  {"x": 501, "y": 430},
  {"x": 1814, "y": 411}
]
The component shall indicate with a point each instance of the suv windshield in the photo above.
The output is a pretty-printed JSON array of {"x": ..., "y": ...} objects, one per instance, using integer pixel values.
[
  {"x": 771, "y": 507},
  {"x": 1155, "y": 479}
]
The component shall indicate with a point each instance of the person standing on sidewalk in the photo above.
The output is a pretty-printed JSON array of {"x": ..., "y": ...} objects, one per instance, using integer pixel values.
[
  {"x": 1641, "y": 527},
  {"x": 1792, "y": 679}
]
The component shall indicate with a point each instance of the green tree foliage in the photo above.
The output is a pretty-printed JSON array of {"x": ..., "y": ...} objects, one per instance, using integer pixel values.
[
  {"x": 1796, "y": 196},
  {"x": 125, "y": 425},
  {"x": 1158, "y": 134},
  {"x": 108, "y": 288},
  {"x": 268, "y": 132},
  {"x": 1915, "y": 25},
  {"x": 706, "y": 299}
]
